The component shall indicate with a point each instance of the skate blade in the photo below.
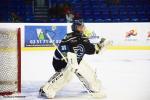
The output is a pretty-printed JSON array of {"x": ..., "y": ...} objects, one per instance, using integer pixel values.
[{"x": 98, "y": 95}]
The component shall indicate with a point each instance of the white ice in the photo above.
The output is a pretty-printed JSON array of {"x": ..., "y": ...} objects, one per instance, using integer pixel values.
[{"x": 125, "y": 75}]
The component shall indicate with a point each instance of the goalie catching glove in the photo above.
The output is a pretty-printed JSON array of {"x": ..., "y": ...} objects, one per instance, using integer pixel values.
[{"x": 102, "y": 44}]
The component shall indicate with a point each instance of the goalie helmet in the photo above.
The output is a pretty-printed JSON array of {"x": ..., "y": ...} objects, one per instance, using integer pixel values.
[{"x": 76, "y": 23}]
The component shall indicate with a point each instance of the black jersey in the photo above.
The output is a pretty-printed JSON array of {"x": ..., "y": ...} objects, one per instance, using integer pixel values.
[{"x": 73, "y": 42}]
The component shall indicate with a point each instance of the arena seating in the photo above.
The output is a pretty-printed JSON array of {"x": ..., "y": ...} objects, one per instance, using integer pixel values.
[{"x": 89, "y": 10}]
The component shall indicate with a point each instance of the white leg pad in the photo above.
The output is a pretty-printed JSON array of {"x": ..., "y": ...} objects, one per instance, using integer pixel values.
[
  {"x": 88, "y": 77},
  {"x": 60, "y": 79}
]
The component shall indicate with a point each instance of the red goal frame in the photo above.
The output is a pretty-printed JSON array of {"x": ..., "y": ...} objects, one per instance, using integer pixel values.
[{"x": 18, "y": 66}]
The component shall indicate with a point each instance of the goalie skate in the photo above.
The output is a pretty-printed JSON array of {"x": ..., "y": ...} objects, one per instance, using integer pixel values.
[{"x": 98, "y": 95}]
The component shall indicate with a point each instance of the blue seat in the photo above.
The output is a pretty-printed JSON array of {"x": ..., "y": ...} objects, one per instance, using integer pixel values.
[
  {"x": 124, "y": 18},
  {"x": 96, "y": 7},
  {"x": 115, "y": 18},
  {"x": 123, "y": 12},
  {"x": 144, "y": 19},
  {"x": 88, "y": 19},
  {"x": 131, "y": 13},
  {"x": 53, "y": 20},
  {"x": 86, "y": 7},
  {"x": 105, "y": 12},
  {"x": 29, "y": 18},
  {"x": 115, "y": 13},
  {"x": 134, "y": 18},
  {"x": 141, "y": 12},
  {"x": 62, "y": 20},
  {"x": 104, "y": 18},
  {"x": 87, "y": 15},
  {"x": 99, "y": 20}
]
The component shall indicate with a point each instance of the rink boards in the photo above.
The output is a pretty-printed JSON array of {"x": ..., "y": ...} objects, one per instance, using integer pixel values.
[{"x": 125, "y": 36}]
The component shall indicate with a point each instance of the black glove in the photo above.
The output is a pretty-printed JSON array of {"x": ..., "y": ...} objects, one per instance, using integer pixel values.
[{"x": 101, "y": 43}]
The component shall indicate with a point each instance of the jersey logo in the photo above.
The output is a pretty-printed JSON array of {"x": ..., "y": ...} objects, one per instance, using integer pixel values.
[
  {"x": 63, "y": 47},
  {"x": 79, "y": 50}
]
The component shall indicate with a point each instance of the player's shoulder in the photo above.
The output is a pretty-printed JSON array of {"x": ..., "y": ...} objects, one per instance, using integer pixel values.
[{"x": 67, "y": 37}]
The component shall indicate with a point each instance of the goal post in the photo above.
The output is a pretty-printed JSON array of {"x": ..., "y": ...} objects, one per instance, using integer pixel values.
[
  {"x": 10, "y": 61},
  {"x": 19, "y": 59}
]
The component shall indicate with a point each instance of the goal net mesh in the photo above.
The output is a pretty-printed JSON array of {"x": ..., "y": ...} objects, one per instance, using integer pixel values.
[{"x": 8, "y": 61}]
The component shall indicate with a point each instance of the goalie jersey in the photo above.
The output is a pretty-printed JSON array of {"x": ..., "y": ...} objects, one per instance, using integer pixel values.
[{"x": 73, "y": 42}]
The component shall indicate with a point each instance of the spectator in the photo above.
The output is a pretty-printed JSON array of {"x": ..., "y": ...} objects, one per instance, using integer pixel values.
[
  {"x": 67, "y": 7},
  {"x": 15, "y": 17},
  {"x": 77, "y": 16},
  {"x": 69, "y": 16},
  {"x": 61, "y": 10},
  {"x": 68, "y": 12}
]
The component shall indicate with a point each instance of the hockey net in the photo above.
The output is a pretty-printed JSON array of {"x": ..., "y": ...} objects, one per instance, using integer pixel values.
[{"x": 10, "y": 61}]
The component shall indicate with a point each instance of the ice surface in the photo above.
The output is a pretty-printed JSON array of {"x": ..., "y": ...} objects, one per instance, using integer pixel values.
[{"x": 125, "y": 75}]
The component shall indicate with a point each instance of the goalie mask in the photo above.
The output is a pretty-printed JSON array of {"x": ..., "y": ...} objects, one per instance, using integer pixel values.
[{"x": 77, "y": 23}]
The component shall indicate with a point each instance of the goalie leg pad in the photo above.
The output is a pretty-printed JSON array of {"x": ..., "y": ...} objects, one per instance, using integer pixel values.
[
  {"x": 88, "y": 77},
  {"x": 60, "y": 79}
]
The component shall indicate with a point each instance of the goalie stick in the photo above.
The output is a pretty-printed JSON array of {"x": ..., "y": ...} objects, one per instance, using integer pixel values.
[{"x": 95, "y": 95}]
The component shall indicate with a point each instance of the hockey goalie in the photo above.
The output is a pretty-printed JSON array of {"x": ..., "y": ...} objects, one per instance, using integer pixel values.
[{"x": 67, "y": 61}]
